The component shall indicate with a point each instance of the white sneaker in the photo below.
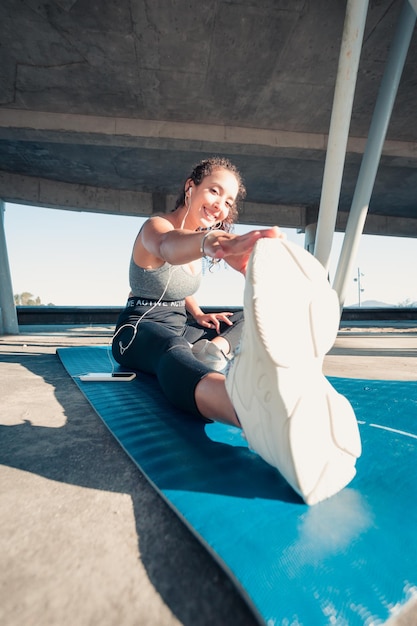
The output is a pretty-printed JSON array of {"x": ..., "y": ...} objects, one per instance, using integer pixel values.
[
  {"x": 290, "y": 414},
  {"x": 208, "y": 353}
]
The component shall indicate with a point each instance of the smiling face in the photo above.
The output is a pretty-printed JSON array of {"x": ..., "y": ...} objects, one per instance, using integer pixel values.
[{"x": 211, "y": 201}]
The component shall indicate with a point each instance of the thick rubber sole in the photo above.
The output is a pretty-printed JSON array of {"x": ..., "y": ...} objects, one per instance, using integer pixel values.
[{"x": 291, "y": 415}]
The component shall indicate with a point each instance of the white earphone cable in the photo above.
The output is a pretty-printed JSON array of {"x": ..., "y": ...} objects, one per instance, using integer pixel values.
[{"x": 123, "y": 348}]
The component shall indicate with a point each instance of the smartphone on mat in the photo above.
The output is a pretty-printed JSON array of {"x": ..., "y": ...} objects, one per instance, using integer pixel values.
[{"x": 108, "y": 376}]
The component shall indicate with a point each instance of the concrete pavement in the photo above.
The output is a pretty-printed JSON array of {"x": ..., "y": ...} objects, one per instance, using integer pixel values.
[{"x": 84, "y": 538}]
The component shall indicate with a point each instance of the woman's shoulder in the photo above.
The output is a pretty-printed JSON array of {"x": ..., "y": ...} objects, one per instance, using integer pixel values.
[
  {"x": 145, "y": 251},
  {"x": 159, "y": 221}
]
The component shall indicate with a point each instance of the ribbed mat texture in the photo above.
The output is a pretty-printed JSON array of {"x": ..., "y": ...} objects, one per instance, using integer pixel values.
[{"x": 350, "y": 560}]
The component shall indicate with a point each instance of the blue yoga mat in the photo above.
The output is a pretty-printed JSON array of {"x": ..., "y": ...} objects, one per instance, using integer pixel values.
[{"x": 349, "y": 560}]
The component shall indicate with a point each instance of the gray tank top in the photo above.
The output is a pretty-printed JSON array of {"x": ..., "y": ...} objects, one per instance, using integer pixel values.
[{"x": 150, "y": 284}]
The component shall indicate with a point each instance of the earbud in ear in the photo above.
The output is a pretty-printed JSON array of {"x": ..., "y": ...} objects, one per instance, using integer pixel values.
[{"x": 189, "y": 190}]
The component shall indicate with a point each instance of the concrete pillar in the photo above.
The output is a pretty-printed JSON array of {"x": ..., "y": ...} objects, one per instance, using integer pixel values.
[
  {"x": 371, "y": 157},
  {"x": 350, "y": 51},
  {"x": 8, "y": 314},
  {"x": 310, "y": 237}
]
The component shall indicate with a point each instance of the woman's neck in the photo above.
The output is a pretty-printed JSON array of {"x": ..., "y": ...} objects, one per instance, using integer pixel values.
[{"x": 182, "y": 219}]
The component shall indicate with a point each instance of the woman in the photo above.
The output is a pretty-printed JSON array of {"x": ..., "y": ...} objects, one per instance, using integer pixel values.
[
  {"x": 275, "y": 389},
  {"x": 152, "y": 333}
]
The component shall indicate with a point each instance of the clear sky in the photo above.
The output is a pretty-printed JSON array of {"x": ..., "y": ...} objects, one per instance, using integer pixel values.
[{"x": 81, "y": 259}]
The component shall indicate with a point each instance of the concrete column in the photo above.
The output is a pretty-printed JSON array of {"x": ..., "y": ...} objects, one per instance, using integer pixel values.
[
  {"x": 8, "y": 314},
  {"x": 310, "y": 237},
  {"x": 414, "y": 5},
  {"x": 350, "y": 51},
  {"x": 372, "y": 155}
]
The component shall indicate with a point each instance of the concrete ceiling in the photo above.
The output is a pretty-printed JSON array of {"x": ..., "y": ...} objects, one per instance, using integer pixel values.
[{"x": 107, "y": 105}]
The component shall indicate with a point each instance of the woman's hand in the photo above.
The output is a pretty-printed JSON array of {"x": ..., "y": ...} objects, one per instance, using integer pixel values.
[
  {"x": 213, "y": 320},
  {"x": 236, "y": 249}
]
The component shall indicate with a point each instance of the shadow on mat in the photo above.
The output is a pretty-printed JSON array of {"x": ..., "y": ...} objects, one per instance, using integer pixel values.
[
  {"x": 350, "y": 525},
  {"x": 84, "y": 453}
]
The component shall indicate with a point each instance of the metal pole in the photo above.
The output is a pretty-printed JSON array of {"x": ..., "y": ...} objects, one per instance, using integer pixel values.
[
  {"x": 359, "y": 287},
  {"x": 8, "y": 315},
  {"x": 371, "y": 157},
  {"x": 356, "y": 11},
  {"x": 358, "y": 280}
]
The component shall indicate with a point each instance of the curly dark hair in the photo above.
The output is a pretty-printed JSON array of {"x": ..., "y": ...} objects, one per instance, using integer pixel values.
[{"x": 205, "y": 168}]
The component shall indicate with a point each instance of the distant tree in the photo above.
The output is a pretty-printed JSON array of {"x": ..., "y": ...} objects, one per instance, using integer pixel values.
[
  {"x": 27, "y": 299},
  {"x": 407, "y": 303}
]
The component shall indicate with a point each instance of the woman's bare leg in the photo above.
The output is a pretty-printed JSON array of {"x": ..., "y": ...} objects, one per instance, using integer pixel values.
[{"x": 213, "y": 401}]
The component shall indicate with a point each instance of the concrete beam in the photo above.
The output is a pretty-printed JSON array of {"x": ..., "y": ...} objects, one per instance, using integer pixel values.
[
  {"x": 29, "y": 190},
  {"x": 286, "y": 216},
  {"x": 382, "y": 225},
  {"x": 96, "y": 129},
  {"x": 123, "y": 132},
  {"x": 65, "y": 196}
]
